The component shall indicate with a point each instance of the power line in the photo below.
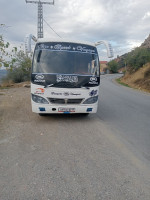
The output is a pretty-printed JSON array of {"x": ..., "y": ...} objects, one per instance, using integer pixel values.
[{"x": 52, "y": 28}]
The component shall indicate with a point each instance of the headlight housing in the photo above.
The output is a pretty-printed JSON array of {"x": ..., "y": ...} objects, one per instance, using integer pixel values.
[
  {"x": 39, "y": 99},
  {"x": 91, "y": 100}
]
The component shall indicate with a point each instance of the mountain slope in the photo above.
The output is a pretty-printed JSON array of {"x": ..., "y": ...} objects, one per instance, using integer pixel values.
[
  {"x": 146, "y": 43},
  {"x": 139, "y": 79}
]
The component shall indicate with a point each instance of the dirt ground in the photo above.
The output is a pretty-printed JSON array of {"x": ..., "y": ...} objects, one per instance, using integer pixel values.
[
  {"x": 139, "y": 79},
  {"x": 12, "y": 104}
]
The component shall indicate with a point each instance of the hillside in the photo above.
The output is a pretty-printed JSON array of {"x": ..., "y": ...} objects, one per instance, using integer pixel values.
[
  {"x": 139, "y": 79},
  {"x": 123, "y": 59},
  {"x": 137, "y": 63},
  {"x": 146, "y": 43}
]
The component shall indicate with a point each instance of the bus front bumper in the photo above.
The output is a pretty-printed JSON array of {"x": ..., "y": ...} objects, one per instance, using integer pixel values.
[{"x": 63, "y": 109}]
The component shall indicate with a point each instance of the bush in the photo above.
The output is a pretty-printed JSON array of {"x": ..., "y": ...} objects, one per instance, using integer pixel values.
[
  {"x": 113, "y": 66},
  {"x": 20, "y": 69},
  {"x": 17, "y": 62},
  {"x": 138, "y": 57},
  {"x": 16, "y": 75}
]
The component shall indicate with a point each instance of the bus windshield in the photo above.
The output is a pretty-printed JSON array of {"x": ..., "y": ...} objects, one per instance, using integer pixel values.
[{"x": 65, "y": 58}]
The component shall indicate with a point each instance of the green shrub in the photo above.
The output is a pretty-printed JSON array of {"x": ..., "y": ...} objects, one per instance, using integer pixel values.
[
  {"x": 113, "y": 66},
  {"x": 17, "y": 75},
  {"x": 138, "y": 57},
  {"x": 20, "y": 68}
]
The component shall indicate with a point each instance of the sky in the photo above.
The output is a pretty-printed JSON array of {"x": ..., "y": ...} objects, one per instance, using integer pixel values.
[{"x": 124, "y": 23}]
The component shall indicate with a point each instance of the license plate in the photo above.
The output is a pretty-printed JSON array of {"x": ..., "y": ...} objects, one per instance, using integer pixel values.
[{"x": 66, "y": 109}]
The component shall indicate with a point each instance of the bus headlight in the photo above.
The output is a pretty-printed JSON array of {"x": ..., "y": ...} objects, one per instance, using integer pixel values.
[
  {"x": 91, "y": 100},
  {"x": 39, "y": 99}
]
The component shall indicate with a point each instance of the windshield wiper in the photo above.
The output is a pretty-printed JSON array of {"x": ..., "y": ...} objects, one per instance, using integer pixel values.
[
  {"x": 48, "y": 85},
  {"x": 61, "y": 84},
  {"x": 84, "y": 87}
]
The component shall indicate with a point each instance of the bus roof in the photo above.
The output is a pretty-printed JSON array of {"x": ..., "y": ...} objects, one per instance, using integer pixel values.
[{"x": 64, "y": 40}]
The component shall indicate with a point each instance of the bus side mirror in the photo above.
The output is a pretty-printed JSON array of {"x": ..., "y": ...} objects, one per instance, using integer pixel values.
[
  {"x": 28, "y": 42},
  {"x": 110, "y": 51},
  {"x": 108, "y": 47}
]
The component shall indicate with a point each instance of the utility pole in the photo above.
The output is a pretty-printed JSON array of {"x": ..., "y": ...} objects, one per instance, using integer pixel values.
[{"x": 40, "y": 16}]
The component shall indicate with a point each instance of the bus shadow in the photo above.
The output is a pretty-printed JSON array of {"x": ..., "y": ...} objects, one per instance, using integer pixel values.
[{"x": 74, "y": 117}]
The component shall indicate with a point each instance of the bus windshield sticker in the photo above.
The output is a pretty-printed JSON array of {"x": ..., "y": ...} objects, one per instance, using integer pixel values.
[
  {"x": 93, "y": 80},
  {"x": 67, "y": 47},
  {"x": 66, "y": 78},
  {"x": 39, "y": 78},
  {"x": 85, "y": 50},
  {"x": 60, "y": 47}
]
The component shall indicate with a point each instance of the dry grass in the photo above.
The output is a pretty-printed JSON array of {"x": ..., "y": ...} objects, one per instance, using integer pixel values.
[
  {"x": 139, "y": 79},
  {"x": 10, "y": 84}
]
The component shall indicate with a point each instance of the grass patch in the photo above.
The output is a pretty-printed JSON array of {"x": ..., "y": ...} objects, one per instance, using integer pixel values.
[
  {"x": 119, "y": 81},
  {"x": 4, "y": 87}
]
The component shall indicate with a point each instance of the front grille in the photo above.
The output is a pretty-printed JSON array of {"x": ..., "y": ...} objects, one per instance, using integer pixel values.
[
  {"x": 65, "y": 101},
  {"x": 74, "y": 101},
  {"x": 57, "y": 101}
]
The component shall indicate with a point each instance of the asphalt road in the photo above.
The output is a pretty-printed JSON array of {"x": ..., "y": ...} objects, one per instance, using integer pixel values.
[
  {"x": 72, "y": 157},
  {"x": 128, "y": 111}
]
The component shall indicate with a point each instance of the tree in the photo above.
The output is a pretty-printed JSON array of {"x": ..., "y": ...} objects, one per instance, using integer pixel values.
[
  {"x": 20, "y": 67},
  {"x": 3, "y": 52},
  {"x": 18, "y": 63},
  {"x": 113, "y": 66}
]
